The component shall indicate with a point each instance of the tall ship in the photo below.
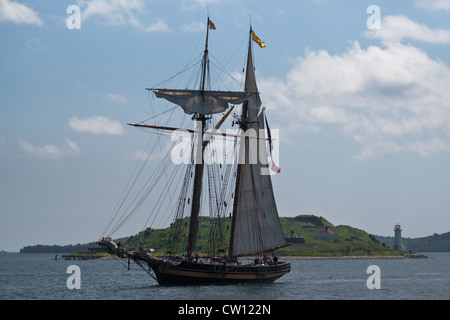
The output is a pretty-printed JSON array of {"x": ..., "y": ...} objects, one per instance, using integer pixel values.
[{"x": 236, "y": 194}]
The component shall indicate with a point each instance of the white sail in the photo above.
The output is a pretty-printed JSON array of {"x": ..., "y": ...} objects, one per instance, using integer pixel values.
[{"x": 257, "y": 225}]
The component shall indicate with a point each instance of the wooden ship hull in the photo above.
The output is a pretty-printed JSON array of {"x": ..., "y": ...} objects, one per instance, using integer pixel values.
[{"x": 218, "y": 270}]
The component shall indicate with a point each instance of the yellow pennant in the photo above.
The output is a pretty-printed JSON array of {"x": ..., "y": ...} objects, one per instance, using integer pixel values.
[{"x": 257, "y": 40}]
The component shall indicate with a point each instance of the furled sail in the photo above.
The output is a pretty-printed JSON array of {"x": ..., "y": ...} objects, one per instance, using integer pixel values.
[
  {"x": 257, "y": 226},
  {"x": 202, "y": 102}
]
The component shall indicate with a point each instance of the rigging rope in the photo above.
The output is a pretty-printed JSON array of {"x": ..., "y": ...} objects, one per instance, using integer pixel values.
[
  {"x": 173, "y": 180},
  {"x": 140, "y": 166}
]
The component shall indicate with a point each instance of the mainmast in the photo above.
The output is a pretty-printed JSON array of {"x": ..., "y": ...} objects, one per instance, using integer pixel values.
[
  {"x": 205, "y": 58},
  {"x": 199, "y": 166},
  {"x": 202, "y": 101}
]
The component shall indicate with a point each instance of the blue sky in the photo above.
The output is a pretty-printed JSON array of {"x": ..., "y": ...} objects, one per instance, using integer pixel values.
[{"x": 363, "y": 114}]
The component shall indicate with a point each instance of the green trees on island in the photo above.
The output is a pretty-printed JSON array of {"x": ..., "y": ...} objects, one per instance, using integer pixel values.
[{"x": 346, "y": 240}]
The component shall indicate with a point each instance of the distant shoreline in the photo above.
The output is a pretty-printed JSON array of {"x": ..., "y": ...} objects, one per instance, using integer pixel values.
[
  {"x": 283, "y": 258},
  {"x": 375, "y": 257}
]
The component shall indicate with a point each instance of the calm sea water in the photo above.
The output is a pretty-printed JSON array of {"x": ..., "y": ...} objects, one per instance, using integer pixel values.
[{"x": 40, "y": 277}]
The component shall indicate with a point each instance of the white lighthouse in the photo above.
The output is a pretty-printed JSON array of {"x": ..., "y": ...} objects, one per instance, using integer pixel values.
[{"x": 398, "y": 237}]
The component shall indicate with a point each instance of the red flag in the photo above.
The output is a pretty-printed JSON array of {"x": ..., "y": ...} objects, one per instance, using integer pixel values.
[{"x": 211, "y": 25}]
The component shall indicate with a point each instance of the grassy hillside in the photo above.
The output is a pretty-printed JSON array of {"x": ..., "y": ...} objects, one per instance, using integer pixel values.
[
  {"x": 157, "y": 239},
  {"x": 351, "y": 241}
]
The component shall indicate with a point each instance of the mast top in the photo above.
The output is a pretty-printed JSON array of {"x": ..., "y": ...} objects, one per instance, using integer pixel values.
[{"x": 209, "y": 25}]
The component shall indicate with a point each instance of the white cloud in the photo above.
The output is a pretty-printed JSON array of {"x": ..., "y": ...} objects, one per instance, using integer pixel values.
[
  {"x": 96, "y": 124},
  {"x": 73, "y": 146},
  {"x": 191, "y": 4},
  {"x": 397, "y": 28},
  {"x": 115, "y": 12},
  {"x": 11, "y": 11},
  {"x": 434, "y": 4},
  {"x": 116, "y": 98},
  {"x": 36, "y": 45},
  {"x": 49, "y": 151},
  {"x": 194, "y": 26},
  {"x": 391, "y": 99},
  {"x": 158, "y": 26},
  {"x": 120, "y": 12}
]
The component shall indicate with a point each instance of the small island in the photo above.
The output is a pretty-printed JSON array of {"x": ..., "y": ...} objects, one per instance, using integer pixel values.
[{"x": 310, "y": 237}]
